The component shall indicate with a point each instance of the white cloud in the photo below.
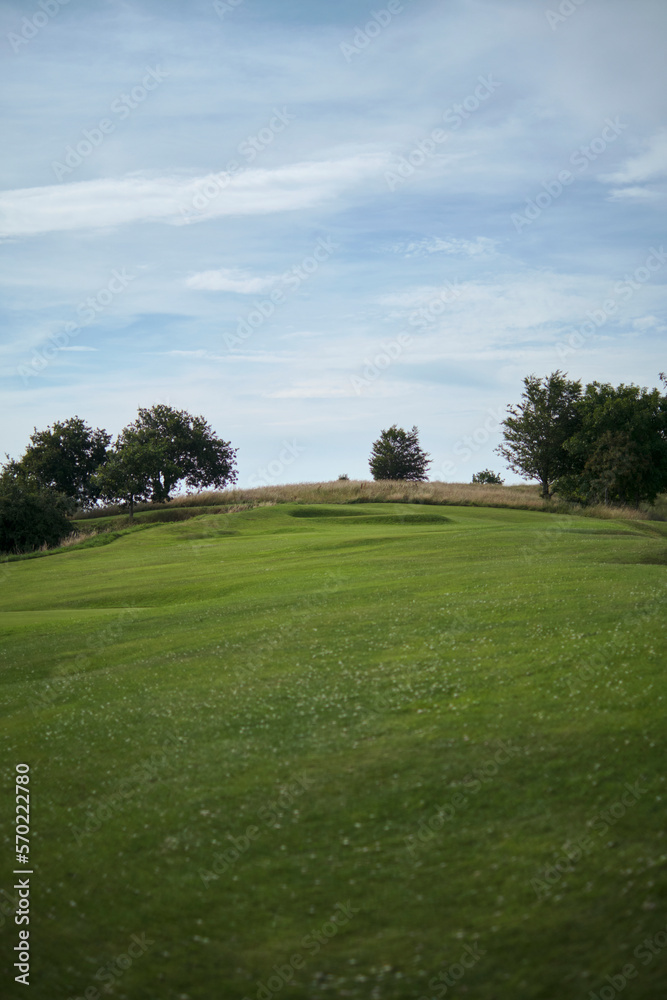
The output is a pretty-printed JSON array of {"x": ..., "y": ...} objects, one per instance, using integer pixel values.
[
  {"x": 633, "y": 194},
  {"x": 648, "y": 323},
  {"x": 231, "y": 280},
  {"x": 141, "y": 198},
  {"x": 481, "y": 246},
  {"x": 78, "y": 347},
  {"x": 648, "y": 165}
]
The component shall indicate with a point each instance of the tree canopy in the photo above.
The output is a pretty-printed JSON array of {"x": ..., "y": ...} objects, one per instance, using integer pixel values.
[
  {"x": 537, "y": 428},
  {"x": 129, "y": 472},
  {"x": 179, "y": 448},
  {"x": 607, "y": 444},
  {"x": 31, "y": 514},
  {"x": 397, "y": 455},
  {"x": 619, "y": 449},
  {"x": 65, "y": 457}
]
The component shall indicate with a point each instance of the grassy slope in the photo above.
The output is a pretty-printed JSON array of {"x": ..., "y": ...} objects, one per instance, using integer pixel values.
[{"x": 380, "y": 658}]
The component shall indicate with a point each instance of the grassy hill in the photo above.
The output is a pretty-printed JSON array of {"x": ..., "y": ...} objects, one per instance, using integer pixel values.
[{"x": 363, "y": 750}]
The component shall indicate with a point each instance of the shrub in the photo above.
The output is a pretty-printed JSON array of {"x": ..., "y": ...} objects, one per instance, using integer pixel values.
[
  {"x": 487, "y": 477},
  {"x": 31, "y": 515}
]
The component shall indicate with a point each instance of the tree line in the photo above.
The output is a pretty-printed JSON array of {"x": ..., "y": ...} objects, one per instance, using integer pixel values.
[
  {"x": 594, "y": 444},
  {"x": 72, "y": 466}
]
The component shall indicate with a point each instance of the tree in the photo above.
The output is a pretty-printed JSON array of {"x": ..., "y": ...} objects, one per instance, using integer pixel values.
[
  {"x": 536, "y": 430},
  {"x": 619, "y": 450},
  {"x": 129, "y": 473},
  {"x": 396, "y": 455},
  {"x": 65, "y": 456},
  {"x": 31, "y": 514},
  {"x": 488, "y": 477},
  {"x": 185, "y": 447}
]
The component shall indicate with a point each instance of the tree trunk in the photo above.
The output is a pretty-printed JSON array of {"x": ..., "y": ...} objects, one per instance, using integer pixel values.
[{"x": 131, "y": 508}]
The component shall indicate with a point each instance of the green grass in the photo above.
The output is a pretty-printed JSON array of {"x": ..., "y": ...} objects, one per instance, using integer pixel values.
[{"x": 312, "y": 684}]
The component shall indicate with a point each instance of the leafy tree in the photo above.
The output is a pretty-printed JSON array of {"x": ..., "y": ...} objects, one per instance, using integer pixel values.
[
  {"x": 31, "y": 514},
  {"x": 186, "y": 448},
  {"x": 536, "y": 430},
  {"x": 396, "y": 455},
  {"x": 488, "y": 477},
  {"x": 129, "y": 473},
  {"x": 65, "y": 457},
  {"x": 619, "y": 450}
]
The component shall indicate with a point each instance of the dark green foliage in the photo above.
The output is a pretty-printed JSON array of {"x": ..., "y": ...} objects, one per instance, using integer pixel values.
[
  {"x": 536, "y": 430},
  {"x": 396, "y": 455},
  {"x": 65, "y": 458},
  {"x": 619, "y": 450},
  {"x": 179, "y": 448},
  {"x": 31, "y": 514},
  {"x": 130, "y": 472},
  {"x": 488, "y": 477}
]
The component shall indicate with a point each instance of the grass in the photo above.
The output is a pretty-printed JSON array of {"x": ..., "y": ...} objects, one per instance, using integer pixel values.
[
  {"x": 242, "y": 724},
  {"x": 519, "y": 497}
]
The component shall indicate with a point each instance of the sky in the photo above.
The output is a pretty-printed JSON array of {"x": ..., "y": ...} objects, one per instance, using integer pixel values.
[{"x": 310, "y": 221}]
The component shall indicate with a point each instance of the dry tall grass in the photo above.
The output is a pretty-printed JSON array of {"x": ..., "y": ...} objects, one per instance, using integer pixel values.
[{"x": 522, "y": 496}]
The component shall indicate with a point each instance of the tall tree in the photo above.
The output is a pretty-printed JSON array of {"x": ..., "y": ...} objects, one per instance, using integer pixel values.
[
  {"x": 537, "y": 428},
  {"x": 397, "y": 455},
  {"x": 186, "y": 448},
  {"x": 619, "y": 449},
  {"x": 65, "y": 456},
  {"x": 31, "y": 514},
  {"x": 128, "y": 474}
]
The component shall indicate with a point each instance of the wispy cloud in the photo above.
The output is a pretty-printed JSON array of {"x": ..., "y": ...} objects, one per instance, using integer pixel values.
[
  {"x": 231, "y": 280},
  {"x": 481, "y": 246},
  {"x": 111, "y": 202},
  {"x": 649, "y": 165}
]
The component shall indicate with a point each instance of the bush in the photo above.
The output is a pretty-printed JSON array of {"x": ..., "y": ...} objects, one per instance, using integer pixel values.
[
  {"x": 487, "y": 477},
  {"x": 31, "y": 515}
]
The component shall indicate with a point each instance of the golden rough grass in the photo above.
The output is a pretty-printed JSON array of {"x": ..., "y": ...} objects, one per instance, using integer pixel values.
[{"x": 523, "y": 497}]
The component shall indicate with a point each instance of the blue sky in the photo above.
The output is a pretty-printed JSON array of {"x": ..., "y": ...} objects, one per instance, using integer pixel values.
[{"x": 309, "y": 221}]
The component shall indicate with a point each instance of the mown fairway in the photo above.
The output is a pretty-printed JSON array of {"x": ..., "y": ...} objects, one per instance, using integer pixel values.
[{"x": 241, "y": 725}]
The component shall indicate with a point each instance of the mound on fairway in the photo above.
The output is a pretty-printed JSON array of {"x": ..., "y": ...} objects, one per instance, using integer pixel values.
[{"x": 319, "y": 752}]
